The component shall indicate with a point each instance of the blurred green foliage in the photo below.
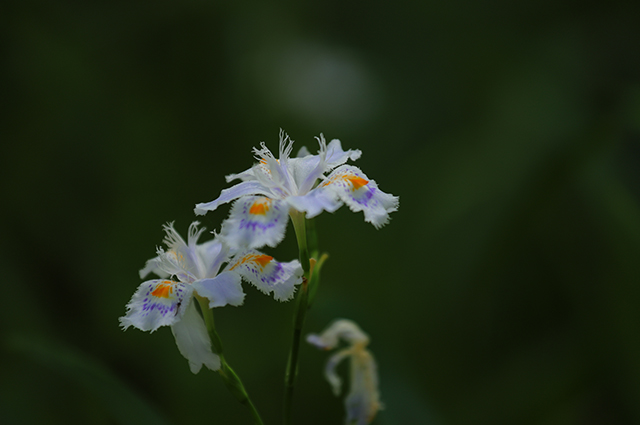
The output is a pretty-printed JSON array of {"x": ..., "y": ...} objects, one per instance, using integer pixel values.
[{"x": 504, "y": 291}]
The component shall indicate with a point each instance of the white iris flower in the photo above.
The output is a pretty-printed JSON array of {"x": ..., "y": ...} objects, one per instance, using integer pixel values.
[
  {"x": 363, "y": 401},
  {"x": 191, "y": 270},
  {"x": 273, "y": 187}
]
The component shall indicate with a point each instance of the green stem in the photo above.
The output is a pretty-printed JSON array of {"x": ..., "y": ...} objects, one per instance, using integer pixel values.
[
  {"x": 229, "y": 376},
  {"x": 234, "y": 384},
  {"x": 207, "y": 314},
  {"x": 302, "y": 300},
  {"x": 299, "y": 225},
  {"x": 312, "y": 238}
]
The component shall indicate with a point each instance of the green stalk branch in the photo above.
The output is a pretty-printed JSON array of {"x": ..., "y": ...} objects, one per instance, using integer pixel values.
[
  {"x": 300, "y": 312},
  {"x": 228, "y": 375}
]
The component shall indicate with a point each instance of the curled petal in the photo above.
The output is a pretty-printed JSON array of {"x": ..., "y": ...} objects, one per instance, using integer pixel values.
[
  {"x": 360, "y": 194},
  {"x": 234, "y": 192},
  {"x": 330, "y": 370},
  {"x": 193, "y": 340},
  {"x": 363, "y": 401},
  {"x": 267, "y": 274},
  {"x": 221, "y": 290},
  {"x": 156, "y": 303},
  {"x": 344, "y": 329},
  {"x": 318, "y": 342},
  {"x": 255, "y": 221}
]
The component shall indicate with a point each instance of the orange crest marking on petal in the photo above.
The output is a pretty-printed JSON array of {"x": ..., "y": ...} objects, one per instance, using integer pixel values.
[
  {"x": 261, "y": 260},
  {"x": 163, "y": 290},
  {"x": 356, "y": 182},
  {"x": 260, "y": 207}
]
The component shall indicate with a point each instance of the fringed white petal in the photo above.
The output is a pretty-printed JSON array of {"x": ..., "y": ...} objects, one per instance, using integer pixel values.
[
  {"x": 156, "y": 303},
  {"x": 255, "y": 221},
  {"x": 232, "y": 193},
  {"x": 361, "y": 194},
  {"x": 268, "y": 275},
  {"x": 193, "y": 340},
  {"x": 221, "y": 290}
]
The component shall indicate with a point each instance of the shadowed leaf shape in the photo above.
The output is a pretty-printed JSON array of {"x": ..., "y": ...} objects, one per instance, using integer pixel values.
[{"x": 125, "y": 405}]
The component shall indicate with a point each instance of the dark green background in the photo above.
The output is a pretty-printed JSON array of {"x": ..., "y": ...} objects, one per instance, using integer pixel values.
[{"x": 505, "y": 290}]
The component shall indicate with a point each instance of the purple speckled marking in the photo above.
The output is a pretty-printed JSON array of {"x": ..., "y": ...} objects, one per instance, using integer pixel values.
[
  {"x": 252, "y": 224},
  {"x": 365, "y": 197},
  {"x": 151, "y": 304},
  {"x": 161, "y": 308},
  {"x": 271, "y": 279},
  {"x": 249, "y": 224}
]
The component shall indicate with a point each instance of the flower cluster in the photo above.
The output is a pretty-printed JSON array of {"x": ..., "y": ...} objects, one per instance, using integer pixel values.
[{"x": 210, "y": 274}]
